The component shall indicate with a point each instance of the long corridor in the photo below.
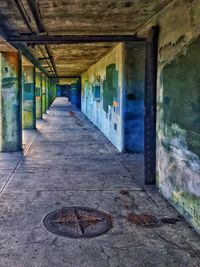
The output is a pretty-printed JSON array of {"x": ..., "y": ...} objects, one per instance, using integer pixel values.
[{"x": 68, "y": 162}]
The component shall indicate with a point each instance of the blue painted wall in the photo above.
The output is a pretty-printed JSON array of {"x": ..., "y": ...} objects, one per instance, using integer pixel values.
[
  {"x": 58, "y": 91},
  {"x": 134, "y": 101}
]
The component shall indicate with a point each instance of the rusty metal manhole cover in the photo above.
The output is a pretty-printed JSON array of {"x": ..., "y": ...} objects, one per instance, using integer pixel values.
[{"x": 78, "y": 222}]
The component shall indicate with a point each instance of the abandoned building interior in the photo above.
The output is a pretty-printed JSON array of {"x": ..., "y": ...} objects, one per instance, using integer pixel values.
[{"x": 99, "y": 133}]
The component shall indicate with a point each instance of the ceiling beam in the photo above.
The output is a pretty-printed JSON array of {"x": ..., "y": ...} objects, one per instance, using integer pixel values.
[
  {"x": 71, "y": 39},
  {"x": 51, "y": 59},
  {"x": 43, "y": 58},
  {"x": 36, "y": 14},
  {"x": 24, "y": 14},
  {"x": 65, "y": 77},
  {"x": 25, "y": 51}
]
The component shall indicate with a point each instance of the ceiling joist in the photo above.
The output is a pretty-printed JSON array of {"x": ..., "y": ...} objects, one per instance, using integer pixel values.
[{"x": 71, "y": 39}]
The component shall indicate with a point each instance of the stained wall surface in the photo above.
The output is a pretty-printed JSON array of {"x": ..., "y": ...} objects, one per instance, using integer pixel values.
[
  {"x": 102, "y": 95},
  {"x": 38, "y": 95},
  {"x": 178, "y": 107},
  {"x": 10, "y": 111}
]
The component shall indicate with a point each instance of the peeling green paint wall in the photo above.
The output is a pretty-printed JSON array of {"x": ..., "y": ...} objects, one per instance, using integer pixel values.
[
  {"x": 178, "y": 162},
  {"x": 180, "y": 136},
  {"x": 181, "y": 95}
]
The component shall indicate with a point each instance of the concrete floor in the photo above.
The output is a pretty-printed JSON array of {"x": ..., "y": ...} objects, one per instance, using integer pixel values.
[{"x": 69, "y": 162}]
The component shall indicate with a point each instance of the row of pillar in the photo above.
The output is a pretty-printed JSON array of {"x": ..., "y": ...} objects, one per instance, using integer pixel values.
[{"x": 25, "y": 94}]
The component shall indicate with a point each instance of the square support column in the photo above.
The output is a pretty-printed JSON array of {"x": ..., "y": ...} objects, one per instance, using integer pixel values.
[
  {"x": 53, "y": 91},
  {"x": 47, "y": 92},
  {"x": 38, "y": 95},
  {"x": 28, "y": 104},
  {"x": 10, "y": 102},
  {"x": 43, "y": 93},
  {"x": 50, "y": 93}
]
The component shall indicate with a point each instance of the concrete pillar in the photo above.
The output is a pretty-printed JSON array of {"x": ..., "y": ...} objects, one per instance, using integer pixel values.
[
  {"x": 52, "y": 91},
  {"x": 55, "y": 90},
  {"x": 38, "y": 95},
  {"x": 47, "y": 92},
  {"x": 28, "y": 103},
  {"x": 10, "y": 102},
  {"x": 43, "y": 93}
]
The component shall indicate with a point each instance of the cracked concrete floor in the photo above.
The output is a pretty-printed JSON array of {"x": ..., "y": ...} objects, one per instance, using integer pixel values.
[{"x": 69, "y": 162}]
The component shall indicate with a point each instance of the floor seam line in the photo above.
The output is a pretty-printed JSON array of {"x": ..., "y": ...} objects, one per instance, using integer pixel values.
[
  {"x": 84, "y": 190},
  {"x": 17, "y": 164}
]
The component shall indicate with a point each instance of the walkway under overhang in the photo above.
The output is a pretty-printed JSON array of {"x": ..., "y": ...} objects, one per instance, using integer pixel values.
[{"x": 68, "y": 162}]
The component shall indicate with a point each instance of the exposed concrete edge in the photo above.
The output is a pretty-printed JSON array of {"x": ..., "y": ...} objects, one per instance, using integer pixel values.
[{"x": 144, "y": 27}]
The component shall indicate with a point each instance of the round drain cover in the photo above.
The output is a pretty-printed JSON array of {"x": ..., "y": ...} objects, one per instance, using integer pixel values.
[{"x": 78, "y": 222}]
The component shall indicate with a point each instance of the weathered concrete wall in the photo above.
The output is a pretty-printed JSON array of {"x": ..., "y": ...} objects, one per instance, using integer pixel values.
[
  {"x": 28, "y": 95},
  {"x": 134, "y": 101},
  {"x": 178, "y": 132},
  {"x": 44, "y": 94},
  {"x": 38, "y": 95},
  {"x": 102, "y": 96},
  {"x": 10, "y": 102},
  {"x": 47, "y": 92},
  {"x": 52, "y": 92}
]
